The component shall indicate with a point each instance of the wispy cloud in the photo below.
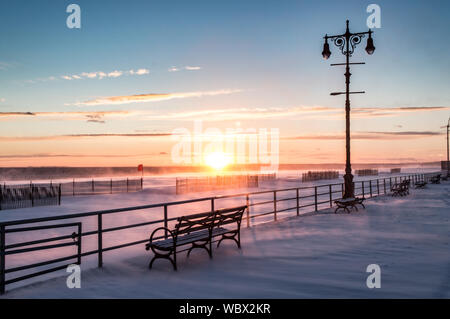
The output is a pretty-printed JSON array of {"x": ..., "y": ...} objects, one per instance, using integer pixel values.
[
  {"x": 7, "y": 65},
  {"x": 78, "y": 136},
  {"x": 367, "y": 135},
  {"x": 91, "y": 75},
  {"x": 151, "y": 97},
  {"x": 242, "y": 113},
  {"x": 319, "y": 112},
  {"x": 393, "y": 111},
  {"x": 188, "y": 68},
  {"x": 192, "y": 68},
  {"x": 92, "y": 117}
]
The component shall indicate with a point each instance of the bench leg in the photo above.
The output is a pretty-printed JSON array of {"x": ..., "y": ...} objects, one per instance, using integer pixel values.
[
  {"x": 233, "y": 237},
  {"x": 167, "y": 256},
  {"x": 195, "y": 245}
]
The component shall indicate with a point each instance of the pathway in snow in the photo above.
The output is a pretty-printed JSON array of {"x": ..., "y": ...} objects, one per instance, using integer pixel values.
[{"x": 321, "y": 256}]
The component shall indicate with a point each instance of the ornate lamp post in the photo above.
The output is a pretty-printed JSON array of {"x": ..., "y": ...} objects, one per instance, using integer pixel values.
[
  {"x": 448, "y": 161},
  {"x": 346, "y": 43}
]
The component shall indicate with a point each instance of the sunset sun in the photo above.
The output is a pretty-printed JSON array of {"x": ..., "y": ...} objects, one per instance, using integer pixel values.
[{"x": 217, "y": 160}]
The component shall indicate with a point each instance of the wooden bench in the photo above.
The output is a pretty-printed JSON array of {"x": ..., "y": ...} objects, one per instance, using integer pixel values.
[
  {"x": 436, "y": 179},
  {"x": 401, "y": 189},
  {"x": 420, "y": 184},
  {"x": 348, "y": 202},
  {"x": 197, "y": 230}
]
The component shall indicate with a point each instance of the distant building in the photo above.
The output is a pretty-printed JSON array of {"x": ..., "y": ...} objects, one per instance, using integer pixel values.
[{"x": 444, "y": 164}]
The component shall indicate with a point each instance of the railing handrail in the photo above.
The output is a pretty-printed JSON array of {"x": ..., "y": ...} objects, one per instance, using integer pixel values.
[{"x": 174, "y": 203}]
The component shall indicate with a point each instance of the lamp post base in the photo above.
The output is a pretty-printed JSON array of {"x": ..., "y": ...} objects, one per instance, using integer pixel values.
[{"x": 349, "y": 186}]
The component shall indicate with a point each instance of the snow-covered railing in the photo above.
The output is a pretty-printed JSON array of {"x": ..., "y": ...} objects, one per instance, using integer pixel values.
[{"x": 263, "y": 205}]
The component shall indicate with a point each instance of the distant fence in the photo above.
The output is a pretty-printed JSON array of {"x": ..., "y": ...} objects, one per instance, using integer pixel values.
[
  {"x": 395, "y": 170},
  {"x": 29, "y": 195},
  {"x": 95, "y": 232},
  {"x": 97, "y": 187},
  {"x": 319, "y": 175},
  {"x": 90, "y": 187},
  {"x": 366, "y": 172},
  {"x": 199, "y": 184}
]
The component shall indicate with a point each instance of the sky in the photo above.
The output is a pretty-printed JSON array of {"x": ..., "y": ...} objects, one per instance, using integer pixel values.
[{"x": 113, "y": 92}]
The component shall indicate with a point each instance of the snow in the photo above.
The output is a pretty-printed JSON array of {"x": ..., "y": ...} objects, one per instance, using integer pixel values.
[{"x": 322, "y": 255}]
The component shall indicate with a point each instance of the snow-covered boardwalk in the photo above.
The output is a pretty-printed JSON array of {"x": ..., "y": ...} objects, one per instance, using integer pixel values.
[{"x": 319, "y": 256}]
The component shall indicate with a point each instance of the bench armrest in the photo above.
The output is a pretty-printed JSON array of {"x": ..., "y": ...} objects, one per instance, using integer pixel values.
[{"x": 147, "y": 246}]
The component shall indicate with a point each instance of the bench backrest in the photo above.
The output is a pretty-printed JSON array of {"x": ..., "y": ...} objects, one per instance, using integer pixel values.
[
  {"x": 193, "y": 223},
  {"x": 206, "y": 221},
  {"x": 229, "y": 216}
]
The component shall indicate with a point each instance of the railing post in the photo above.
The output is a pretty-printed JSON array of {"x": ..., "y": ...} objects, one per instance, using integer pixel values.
[
  {"x": 315, "y": 198},
  {"x": 59, "y": 194},
  {"x": 166, "y": 235},
  {"x": 342, "y": 189},
  {"x": 331, "y": 196},
  {"x": 2, "y": 259},
  {"x": 100, "y": 241},
  {"x": 248, "y": 211},
  {"x": 274, "y": 205},
  {"x": 363, "y": 191},
  {"x": 384, "y": 185},
  {"x": 370, "y": 186},
  {"x": 79, "y": 244},
  {"x": 298, "y": 202},
  {"x": 110, "y": 186},
  {"x": 378, "y": 187},
  {"x": 127, "y": 184},
  {"x": 32, "y": 195},
  {"x": 93, "y": 189},
  {"x": 73, "y": 187}
]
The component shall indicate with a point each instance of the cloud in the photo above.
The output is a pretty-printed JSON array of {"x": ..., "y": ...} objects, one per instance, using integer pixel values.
[
  {"x": 92, "y": 75},
  {"x": 192, "y": 68},
  {"x": 92, "y": 117},
  {"x": 115, "y": 74},
  {"x": 139, "y": 72},
  {"x": 367, "y": 136},
  {"x": 78, "y": 136},
  {"x": 150, "y": 97},
  {"x": 229, "y": 114},
  {"x": 7, "y": 65},
  {"x": 49, "y": 155},
  {"x": 393, "y": 111},
  {"x": 188, "y": 68},
  {"x": 14, "y": 114}
]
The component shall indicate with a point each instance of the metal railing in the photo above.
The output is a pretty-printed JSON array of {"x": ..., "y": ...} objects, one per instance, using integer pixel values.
[{"x": 302, "y": 199}]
